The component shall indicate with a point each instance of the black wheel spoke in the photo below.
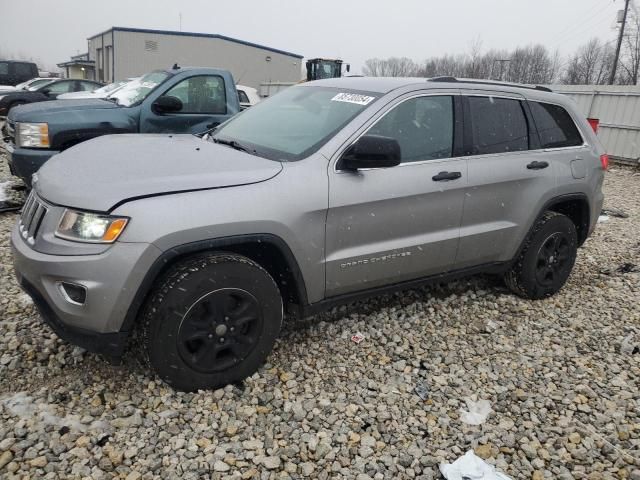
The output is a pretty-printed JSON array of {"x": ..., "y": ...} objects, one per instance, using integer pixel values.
[{"x": 219, "y": 330}]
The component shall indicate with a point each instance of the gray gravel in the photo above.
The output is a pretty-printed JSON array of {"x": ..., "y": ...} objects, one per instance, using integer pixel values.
[{"x": 561, "y": 376}]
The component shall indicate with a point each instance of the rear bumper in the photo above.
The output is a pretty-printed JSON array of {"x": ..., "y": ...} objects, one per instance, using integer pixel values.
[{"x": 24, "y": 162}]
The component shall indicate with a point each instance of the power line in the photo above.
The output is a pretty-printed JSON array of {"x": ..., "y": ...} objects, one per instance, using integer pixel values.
[{"x": 579, "y": 24}]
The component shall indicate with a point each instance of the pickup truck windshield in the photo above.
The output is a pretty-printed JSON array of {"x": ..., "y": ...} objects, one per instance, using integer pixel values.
[
  {"x": 137, "y": 90},
  {"x": 294, "y": 123}
]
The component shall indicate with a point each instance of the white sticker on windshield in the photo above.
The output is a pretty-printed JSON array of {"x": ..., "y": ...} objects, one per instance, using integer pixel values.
[{"x": 352, "y": 98}]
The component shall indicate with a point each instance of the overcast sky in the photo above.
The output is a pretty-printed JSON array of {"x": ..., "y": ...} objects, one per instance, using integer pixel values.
[{"x": 353, "y": 30}]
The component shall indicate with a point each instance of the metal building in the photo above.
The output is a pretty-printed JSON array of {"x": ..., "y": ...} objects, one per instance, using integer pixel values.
[{"x": 120, "y": 53}]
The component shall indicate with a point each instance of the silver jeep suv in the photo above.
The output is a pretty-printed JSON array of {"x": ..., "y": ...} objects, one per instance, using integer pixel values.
[{"x": 327, "y": 192}]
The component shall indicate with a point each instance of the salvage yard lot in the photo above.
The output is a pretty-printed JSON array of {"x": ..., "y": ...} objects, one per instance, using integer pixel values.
[{"x": 562, "y": 377}]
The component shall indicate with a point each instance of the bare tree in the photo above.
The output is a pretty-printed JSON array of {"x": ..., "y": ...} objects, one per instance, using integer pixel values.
[
  {"x": 390, "y": 67},
  {"x": 630, "y": 57},
  {"x": 590, "y": 65}
]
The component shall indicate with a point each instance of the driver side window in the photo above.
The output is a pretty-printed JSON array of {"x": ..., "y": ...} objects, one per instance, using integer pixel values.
[
  {"x": 201, "y": 94},
  {"x": 423, "y": 127}
]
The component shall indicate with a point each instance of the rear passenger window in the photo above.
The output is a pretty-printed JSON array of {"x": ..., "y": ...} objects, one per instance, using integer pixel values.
[
  {"x": 555, "y": 126},
  {"x": 423, "y": 127},
  {"x": 498, "y": 125}
]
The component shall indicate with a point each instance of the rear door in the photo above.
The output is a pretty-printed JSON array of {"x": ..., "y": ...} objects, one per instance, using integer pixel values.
[
  {"x": 204, "y": 106},
  {"x": 510, "y": 177},
  {"x": 390, "y": 225}
]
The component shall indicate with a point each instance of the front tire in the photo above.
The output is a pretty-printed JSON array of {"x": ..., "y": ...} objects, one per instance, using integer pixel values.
[
  {"x": 546, "y": 261},
  {"x": 210, "y": 320}
]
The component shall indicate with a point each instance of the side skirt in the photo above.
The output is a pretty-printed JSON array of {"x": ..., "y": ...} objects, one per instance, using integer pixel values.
[{"x": 323, "y": 305}]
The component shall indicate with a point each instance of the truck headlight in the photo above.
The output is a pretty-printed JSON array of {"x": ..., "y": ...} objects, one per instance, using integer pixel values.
[
  {"x": 90, "y": 227},
  {"x": 32, "y": 135}
]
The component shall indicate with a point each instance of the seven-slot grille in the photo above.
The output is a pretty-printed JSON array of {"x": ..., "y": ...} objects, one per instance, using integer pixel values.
[{"x": 31, "y": 218}]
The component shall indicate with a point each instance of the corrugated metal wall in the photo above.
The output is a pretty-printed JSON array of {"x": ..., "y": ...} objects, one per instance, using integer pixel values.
[
  {"x": 618, "y": 109},
  {"x": 138, "y": 53}
]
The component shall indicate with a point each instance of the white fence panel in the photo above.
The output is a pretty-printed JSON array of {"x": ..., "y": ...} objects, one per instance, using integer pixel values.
[{"x": 618, "y": 109}]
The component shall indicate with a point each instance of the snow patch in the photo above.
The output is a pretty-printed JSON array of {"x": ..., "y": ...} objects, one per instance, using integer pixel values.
[
  {"x": 24, "y": 407},
  {"x": 4, "y": 191},
  {"x": 24, "y": 300}
]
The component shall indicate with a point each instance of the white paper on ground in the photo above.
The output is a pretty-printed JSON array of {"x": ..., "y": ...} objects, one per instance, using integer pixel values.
[
  {"x": 477, "y": 412},
  {"x": 603, "y": 218},
  {"x": 471, "y": 467}
]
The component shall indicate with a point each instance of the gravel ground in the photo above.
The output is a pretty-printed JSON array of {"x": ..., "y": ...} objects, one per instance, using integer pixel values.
[{"x": 561, "y": 375}]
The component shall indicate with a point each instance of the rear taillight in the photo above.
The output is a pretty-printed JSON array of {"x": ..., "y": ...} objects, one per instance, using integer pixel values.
[
  {"x": 604, "y": 160},
  {"x": 595, "y": 123}
]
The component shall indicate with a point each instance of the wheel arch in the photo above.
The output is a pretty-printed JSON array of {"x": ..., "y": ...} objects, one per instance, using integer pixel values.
[
  {"x": 576, "y": 207},
  {"x": 269, "y": 251}
]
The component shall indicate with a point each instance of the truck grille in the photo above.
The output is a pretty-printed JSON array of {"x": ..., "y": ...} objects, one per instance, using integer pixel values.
[
  {"x": 31, "y": 218},
  {"x": 10, "y": 132}
]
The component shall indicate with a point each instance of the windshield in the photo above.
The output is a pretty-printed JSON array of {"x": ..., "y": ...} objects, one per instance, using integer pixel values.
[
  {"x": 294, "y": 123},
  {"x": 34, "y": 84},
  {"x": 137, "y": 90}
]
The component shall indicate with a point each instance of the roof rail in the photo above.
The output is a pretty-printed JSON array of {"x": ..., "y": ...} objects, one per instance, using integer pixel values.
[{"x": 481, "y": 82}]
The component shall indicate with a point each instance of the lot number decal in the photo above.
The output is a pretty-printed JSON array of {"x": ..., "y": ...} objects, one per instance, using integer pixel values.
[{"x": 352, "y": 98}]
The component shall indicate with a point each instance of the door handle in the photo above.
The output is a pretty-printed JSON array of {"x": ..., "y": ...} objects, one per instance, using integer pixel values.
[
  {"x": 445, "y": 176},
  {"x": 537, "y": 165}
]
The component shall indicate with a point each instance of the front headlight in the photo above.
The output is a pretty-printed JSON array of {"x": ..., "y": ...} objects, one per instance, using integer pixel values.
[
  {"x": 90, "y": 227},
  {"x": 32, "y": 135}
]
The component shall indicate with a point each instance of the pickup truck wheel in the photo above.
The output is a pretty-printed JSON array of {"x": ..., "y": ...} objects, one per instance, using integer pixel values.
[
  {"x": 546, "y": 261},
  {"x": 211, "y": 320}
]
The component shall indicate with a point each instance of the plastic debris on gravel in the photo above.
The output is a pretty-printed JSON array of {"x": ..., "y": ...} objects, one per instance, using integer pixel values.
[
  {"x": 471, "y": 467},
  {"x": 476, "y": 413}
]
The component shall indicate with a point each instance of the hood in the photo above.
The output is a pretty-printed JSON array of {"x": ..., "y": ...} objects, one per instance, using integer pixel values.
[
  {"x": 100, "y": 173},
  {"x": 31, "y": 111}
]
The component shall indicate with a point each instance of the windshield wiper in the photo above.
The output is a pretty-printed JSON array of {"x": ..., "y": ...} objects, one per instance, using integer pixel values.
[{"x": 234, "y": 144}]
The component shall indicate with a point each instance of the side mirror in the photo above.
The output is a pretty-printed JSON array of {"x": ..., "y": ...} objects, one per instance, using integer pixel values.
[
  {"x": 348, "y": 68},
  {"x": 46, "y": 91},
  {"x": 167, "y": 104},
  {"x": 371, "y": 151}
]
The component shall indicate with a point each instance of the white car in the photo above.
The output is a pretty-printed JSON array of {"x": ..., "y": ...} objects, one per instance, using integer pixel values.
[
  {"x": 248, "y": 96},
  {"x": 28, "y": 85},
  {"x": 101, "y": 92}
]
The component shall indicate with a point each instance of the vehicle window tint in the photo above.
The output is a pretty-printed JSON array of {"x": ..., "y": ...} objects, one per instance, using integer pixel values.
[
  {"x": 555, "y": 126},
  {"x": 4, "y": 68},
  {"x": 243, "y": 97},
  {"x": 201, "y": 94},
  {"x": 422, "y": 126},
  {"x": 23, "y": 69},
  {"x": 498, "y": 125},
  {"x": 60, "y": 87}
]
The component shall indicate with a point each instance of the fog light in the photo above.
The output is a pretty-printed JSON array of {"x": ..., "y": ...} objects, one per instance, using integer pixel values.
[{"x": 73, "y": 293}]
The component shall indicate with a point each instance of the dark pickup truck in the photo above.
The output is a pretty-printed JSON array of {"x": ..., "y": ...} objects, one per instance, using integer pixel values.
[{"x": 178, "y": 100}]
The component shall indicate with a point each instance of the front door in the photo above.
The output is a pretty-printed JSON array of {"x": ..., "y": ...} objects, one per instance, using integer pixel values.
[
  {"x": 204, "y": 106},
  {"x": 390, "y": 225}
]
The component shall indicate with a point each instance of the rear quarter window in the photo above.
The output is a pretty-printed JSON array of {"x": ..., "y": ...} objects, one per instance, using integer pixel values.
[{"x": 555, "y": 126}]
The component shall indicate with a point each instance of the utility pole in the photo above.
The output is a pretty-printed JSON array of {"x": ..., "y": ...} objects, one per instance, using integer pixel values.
[{"x": 620, "y": 36}]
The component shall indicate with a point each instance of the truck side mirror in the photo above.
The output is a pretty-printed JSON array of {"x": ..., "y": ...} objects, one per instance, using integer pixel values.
[{"x": 167, "y": 104}]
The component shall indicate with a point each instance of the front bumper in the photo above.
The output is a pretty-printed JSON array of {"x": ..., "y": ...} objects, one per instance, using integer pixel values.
[
  {"x": 24, "y": 162},
  {"x": 111, "y": 280}
]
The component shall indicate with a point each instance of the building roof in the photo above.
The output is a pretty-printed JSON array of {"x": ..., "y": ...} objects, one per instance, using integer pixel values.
[
  {"x": 195, "y": 34},
  {"x": 80, "y": 63}
]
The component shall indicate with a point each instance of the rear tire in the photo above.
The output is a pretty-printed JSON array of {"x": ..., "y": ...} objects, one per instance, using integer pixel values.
[
  {"x": 546, "y": 261},
  {"x": 210, "y": 320}
]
